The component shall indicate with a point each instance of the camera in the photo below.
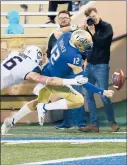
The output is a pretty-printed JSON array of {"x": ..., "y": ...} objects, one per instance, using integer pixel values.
[{"x": 90, "y": 21}]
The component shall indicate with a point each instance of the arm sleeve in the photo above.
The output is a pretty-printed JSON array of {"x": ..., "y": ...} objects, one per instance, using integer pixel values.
[
  {"x": 93, "y": 88},
  {"x": 105, "y": 38},
  {"x": 49, "y": 49}
]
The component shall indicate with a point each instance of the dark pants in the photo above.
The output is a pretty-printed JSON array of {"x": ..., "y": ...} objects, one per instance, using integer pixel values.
[
  {"x": 84, "y": 2},
  {"x": 75, "y": 116},
  {"x": 54, "y": 4},
  {"x": 98, "y": 74}
]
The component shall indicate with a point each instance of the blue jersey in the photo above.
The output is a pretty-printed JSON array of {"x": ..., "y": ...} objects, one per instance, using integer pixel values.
[{"x": 65, "y": 59}]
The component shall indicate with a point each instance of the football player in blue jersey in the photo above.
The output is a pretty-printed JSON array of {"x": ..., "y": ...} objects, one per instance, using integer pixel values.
[{"x": 65, "y": 60}]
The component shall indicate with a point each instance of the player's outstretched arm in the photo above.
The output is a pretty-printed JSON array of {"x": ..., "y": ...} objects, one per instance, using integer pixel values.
[
  {"x": 60, "y": 31},
  {"x": 94, "y": 89},
  {"x": 36, "y": 77},
  {"x": 70, "y": 28},
  {"x": 55, "y": 81}
]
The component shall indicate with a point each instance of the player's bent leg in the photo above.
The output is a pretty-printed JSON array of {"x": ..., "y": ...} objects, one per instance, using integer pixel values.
[
  {"x": 74, "y": 99},
  {"x": 32, "y": 104},
  {"x": 25, "y": 110},
  {"x": 71, "y": 99}
]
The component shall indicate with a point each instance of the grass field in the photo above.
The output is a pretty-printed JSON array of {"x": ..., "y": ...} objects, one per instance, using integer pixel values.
[
  {"x": 20, "y": 153},
  {"x": 33, "y": 143}
]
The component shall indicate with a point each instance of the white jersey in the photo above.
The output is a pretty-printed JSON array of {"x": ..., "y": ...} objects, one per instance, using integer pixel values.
[{"x": 15, "y": 68}]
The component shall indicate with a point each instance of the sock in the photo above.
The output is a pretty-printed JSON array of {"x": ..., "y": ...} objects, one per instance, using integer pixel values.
[
  {"x": 93, "y": 88},
  {"x": 61, "y": 104},
  {"x": 21, "y": 113}
]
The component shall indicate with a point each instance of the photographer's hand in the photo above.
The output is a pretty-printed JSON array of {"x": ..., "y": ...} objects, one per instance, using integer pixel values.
[
  {"x": 91, "y": 29},
  {"x": 82, "y": 26}
]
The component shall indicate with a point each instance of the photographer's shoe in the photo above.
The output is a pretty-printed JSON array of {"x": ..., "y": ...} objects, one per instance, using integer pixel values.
[
  {"x": 89, "y": 128},
  {"x": 115, "y": 127}
]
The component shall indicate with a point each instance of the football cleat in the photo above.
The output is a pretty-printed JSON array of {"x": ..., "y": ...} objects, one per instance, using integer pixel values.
[
  {"x": 41, "y": 113},
  {"x": 7, "y": 125}
]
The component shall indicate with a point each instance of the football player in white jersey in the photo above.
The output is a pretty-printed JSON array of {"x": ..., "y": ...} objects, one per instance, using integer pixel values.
[{"x": 18, "y": 67}]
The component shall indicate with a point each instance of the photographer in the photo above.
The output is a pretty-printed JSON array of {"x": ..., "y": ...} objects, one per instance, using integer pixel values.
[{"x": 97, "y": 68}]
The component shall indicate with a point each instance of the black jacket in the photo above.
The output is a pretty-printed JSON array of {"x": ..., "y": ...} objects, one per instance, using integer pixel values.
[
  {"x": 51, "y": 43},
  {"x": 101, "y": 44}
]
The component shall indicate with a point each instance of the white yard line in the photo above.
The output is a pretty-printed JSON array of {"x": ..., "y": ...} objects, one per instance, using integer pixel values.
[
  {"x": 61, "y": 133},
  {"x": 116, "y": 132},
  {"x": 74, "y": 159},
  {"x": 72, "y": 141}
]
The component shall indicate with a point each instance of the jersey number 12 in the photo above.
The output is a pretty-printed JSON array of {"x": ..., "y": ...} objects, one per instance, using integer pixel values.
[
  {"x": 76, "y": 61},
  {"x": 54, "y": 55}
]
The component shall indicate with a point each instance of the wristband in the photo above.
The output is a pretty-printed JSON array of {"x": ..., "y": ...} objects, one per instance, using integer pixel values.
[{"x": 70, "y": 82}]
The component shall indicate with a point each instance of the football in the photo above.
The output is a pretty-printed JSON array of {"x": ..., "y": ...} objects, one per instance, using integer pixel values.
[{"x": 118, "y": 79}]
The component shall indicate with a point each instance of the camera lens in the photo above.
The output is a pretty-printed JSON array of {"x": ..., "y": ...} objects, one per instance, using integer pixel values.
[{"x": 90, "y": 22}]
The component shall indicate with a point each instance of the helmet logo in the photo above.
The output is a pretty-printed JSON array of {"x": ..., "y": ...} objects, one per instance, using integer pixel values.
[
  {"x": 82, "y": 44},
  {"x": 79, "y": 38},
  {"x": 39, "y": 55}
]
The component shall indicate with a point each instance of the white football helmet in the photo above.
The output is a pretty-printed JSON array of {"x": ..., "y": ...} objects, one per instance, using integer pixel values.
[
  {"x": 82, "y": 40},
  {"x": 34, "y": 53}
]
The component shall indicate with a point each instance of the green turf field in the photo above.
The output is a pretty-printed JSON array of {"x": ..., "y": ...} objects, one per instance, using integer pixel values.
[
  {"x": 18, "y": 153},
  {"x": 34, "y": 131},
  {"x": 23, "y": 153},
  {"x": 34, "y": 152}
]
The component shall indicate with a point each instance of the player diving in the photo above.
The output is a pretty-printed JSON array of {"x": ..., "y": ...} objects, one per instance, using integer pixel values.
[
  {"x": 18, "y": 67},
  {"x": 66, "y": 60}
]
